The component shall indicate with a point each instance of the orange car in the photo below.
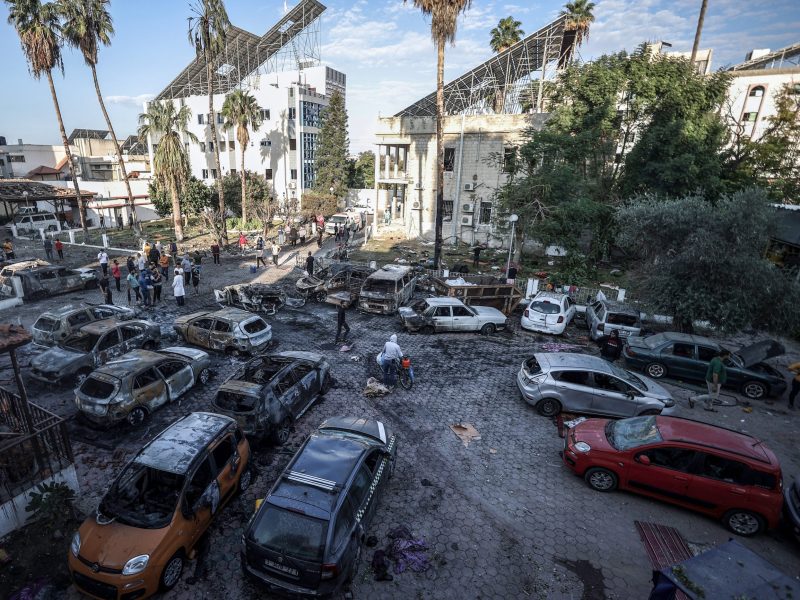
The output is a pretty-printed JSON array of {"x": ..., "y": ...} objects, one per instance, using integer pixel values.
[{"x": 158, "y": 507}]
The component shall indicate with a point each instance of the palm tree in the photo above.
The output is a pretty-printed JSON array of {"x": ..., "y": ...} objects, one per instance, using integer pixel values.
[
  {"x": 507, "y": 33},
  {"x": 39, "y": 33},
  {"x": 170, "y": 161},
  {"x": 700, "y": 19},
  {"x": 579, "y": 17},
  {"x": 444, "y": 22},
  {"x": 87, "y": 24},
  {"x": 241, "y": 110},
  {"x": 207, "y": 32}
]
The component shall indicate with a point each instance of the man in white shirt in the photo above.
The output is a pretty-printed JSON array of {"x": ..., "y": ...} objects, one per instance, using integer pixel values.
[
  {"x": 391, "y": 354},
  {"x": 102, "y": 256},
  {"x": 140, "y": 261}
]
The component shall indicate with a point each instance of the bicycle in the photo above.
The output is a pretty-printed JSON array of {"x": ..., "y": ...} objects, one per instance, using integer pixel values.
[{"x": 405, "y": 374}]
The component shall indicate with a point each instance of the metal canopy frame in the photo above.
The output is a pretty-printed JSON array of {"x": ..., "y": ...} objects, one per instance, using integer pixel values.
[
  {"x": 514, "y": 75},
  {"x": 787, "y": 57},
  {"x": 294, "y": 38},
  {"x": 91, "y": 134}
]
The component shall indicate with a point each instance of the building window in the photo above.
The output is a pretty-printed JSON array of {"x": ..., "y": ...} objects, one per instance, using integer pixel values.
[
  {"x": 794, "y": 89},
  {"x": 449, "y": 159},
  {"x": 210, "y": 146},
  {"x": 292, "y": 143},
  {"x": 233, "y": 171},
  {"x": 265, "y": 114},
  {"x": 311, "y": 114},
  {"x": 201, "y": 119},
  {"x": 486, "y": 213},
  {"x": 509, "y": 159},
  {"x": 220, "y": 119},
  {"x": 202, "y": 146},
  {"x": 231, "y": 145},
  {"x": 17, "y": 159},
  {"x": 309, "y": 156},
  {"x": 292, "y": 112},
  {"x": 268, "y": 174},
  {"x": 213, "y": 173},
  {"x": 757, "y": 91},
  {"x": 293, "y": 174},
  {"x": 205, "y": 173},
  {"x": 750, "y": 117},
  {"x": 447, "y": 213},
  {"x": 266, "y": 143}
]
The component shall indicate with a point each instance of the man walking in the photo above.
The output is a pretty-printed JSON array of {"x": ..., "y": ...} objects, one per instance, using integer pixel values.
[
  {"x": 59, "y": 249},
  {"x": 215, "y": 252},
  {"x": 105, "y": 289},
  {"x": 116, "y": 273},
  {"x": 303, "y": 233},
  {"x": 476, "y": 255},
  {"x": 310, "y": 263},
  {"x": 242, "y": 242},
  {"x": 163, "y": 262},
  {"x": 795, "y": 369},
  {"x": 320, "y": 232},
  {"x": 158, "y": 280},
  {"x": 341, "y": 324},
  {"x": 186, "y": 265},
  {"x": 260, "y": 257},
  {"x": 716, "y": 375},
  {"x": 48, "y": 248},
  {"x": 140, "y": 261},
  {"x": 144, "y": 286},
  {"x": 102, "y": 256},
  {"x": 275, "y": 251}
]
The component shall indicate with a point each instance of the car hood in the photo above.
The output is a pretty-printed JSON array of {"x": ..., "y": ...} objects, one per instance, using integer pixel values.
[
  {"x": 759, "y": 352},
  {"x": 115, "y": 544},
  {"x": 593, "y": 432},
  {"x": 55, "y": 359},
  {"x": 407, "y": 312},
  {"x": 488, "y": 311},
  {"x": 190, "y": 353},
  {"x": 655, "y": 390}
]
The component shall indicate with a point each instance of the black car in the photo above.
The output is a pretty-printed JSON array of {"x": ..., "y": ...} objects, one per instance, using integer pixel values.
[
  {"x": 306, "y": 537},
  {"x": 685, "y": 356},
  {"x": 269, "y": 393}
]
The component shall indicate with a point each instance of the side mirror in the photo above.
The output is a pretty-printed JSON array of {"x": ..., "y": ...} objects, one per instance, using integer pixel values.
[{"x": 643, "y": 459}]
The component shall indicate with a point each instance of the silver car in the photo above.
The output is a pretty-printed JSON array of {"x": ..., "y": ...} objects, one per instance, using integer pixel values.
[
  {"x": 450, "y": 314},
  {"x": 55, "y": 325},
  {"x": 604, "y": 316},
  {"x": 563, "y": 381}
]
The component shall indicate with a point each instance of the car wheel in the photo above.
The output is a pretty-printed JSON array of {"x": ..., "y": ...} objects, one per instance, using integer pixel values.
[
  {"x": 204, "y": 377},
  {"x": 356, "y": 562},
  {"x": 656, "y": 370},
  {"x": 601, "y": 480},
  {"x": 91, "y": 284},
  {"x": 427, "y": 330},
  {"x": 754, "y": 390},
  {"x": 282, "y": 433},
  {"x": 549, "y": 407},
  {"x": 80, "y": 377},
  {"x": 149, "y": 345},
  {"x": 136, "y": 417},
  {"x": 245, "y": 480},
  {"x": 320, "y": 296},
  {"x": 172, "y": 572},
  {"x": 743, "y": 522},
  {"x": 488, "y": 329}
]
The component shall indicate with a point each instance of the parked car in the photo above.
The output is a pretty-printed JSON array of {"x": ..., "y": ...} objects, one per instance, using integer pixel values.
[
  {"x": 719, "y": 472},
  {"x": 253, "y": 297},
  {"x": 306, "y": 537},
  {"x": 40, "y": 279},
  {"x": 139, "y": 382},
  {"x": 385, "y": 290},
  {"x": 31, "y": 223},
  {"x": 548, "y": 312},
  {"x": 269, "y": 393},
  {"x": 687, "y": 356},
  {"x": 93, "y": 345},
  {"x": 604, "y": 316},
  {"x": 158, "y": 508},
  {"x": 230, "y": 330},
  {"x": 450, "y": 314},
  {"x": 556, "y": 381},
  {"x": 55, "y": 325},
  {"x": 342, "y": 219}
]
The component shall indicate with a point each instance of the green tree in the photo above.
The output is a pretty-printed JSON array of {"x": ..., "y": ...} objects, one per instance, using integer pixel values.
[
  {"x": 579, "y": 17},
  {"x": 507, "y": 33},
  {"x": 39, "y": 31},
  {"x": 207, "y": 33},
  {"x": 444, "y": 24},
  {"x": 705, "y": 261},
  {"x": 361, "y": 171},
  {"x": 195, "y": 198},
  {"x": 332, "y": 149},
  {"x": 258, "y": 190},
  {"x": 241, "y": 110},
  {"x": 87, "y": 25},
  {"x": 319, "y": 203},
  {"x": 170, "y": 163}
]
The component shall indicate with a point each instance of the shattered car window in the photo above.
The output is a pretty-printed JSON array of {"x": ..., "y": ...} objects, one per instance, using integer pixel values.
[
  {"x": 622, "y": 319},
  {"x": 97, "y": 388},
  {"x": 142, "y": 497},
  {"x": 544, "y": 307},
  {"x": 235, "y": 402},
  {"x": 631, "y": 433},
  {"x": 254, "y": 326},
  {"x": 82, "y": 342},
  {"x": 46, "y": 324},
  {"x": 379, "y": 285}
]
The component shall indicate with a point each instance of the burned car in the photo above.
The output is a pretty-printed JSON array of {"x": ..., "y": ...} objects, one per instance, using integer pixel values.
[
  {"x": 55, "y": 325},
  {"x": 337, "y": 278},
  {"x": 229, "y": 330},
  {"x": 254, "y": 297},
  {"x": 139, "y": 382},
  {"x": 39, "y": 279},
  {"x": 269, "y": 393},
  {"x": 385, "y": 290},
  {"x": 155, "y": 512},
  {"x": 450, "y": 314},
  {"x": 93, "y": 345}
]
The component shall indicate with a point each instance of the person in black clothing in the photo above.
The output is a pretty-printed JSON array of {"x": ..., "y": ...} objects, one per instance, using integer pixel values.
[
  {"x": 610, "y": 346},
  {"x": 341, "y": 324},
  {"x": 130, "y": 265},
  {"x": 154, "y": 255},
  {"x": 511, "y": 275},
  {"x": 105, "y": 289},
  {"x": 310, "y": 264},
  {"x": 476, "y": 255}
]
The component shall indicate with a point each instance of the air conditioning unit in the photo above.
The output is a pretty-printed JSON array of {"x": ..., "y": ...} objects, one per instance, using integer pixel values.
[
  {"x": 415, "y": 205},
  {"x": 466, "y": 220},
  {"x": 469, "y": 187},
  {"x": 418, "y": 185},
  {"x": 292, "y": 185},
  {"x": 467, "y": 207}
]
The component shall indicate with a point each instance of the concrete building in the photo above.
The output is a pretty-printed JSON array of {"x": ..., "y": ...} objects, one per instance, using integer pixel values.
[{"x": 20, "y": 159}]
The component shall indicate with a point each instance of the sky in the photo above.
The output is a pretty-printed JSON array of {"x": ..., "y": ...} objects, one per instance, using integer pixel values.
[{"x": 383, "y": 46}]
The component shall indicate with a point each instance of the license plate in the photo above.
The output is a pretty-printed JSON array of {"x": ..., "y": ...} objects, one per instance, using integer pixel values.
[{"x": 282, "y": 568}]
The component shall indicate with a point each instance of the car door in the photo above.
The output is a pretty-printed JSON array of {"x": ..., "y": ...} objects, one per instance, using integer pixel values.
[
  {"x": 705, "y": 352},
  {"x": 679, "y": 358},
  {"x": 591, "y": 318},
  {"x": 569, "y": 309},
  {"x": 226, "y": 461},
  {"x": 149, "y": 389},
  {"x": 287, "y": 393},
  {"x": 720, "y": 483},
  {"x": 442, "y": 318},
  {"x": 201, "y": 499},
  {"x": 575, "y": 389},
  {"x": 108, "y": 347},
  {"x": 133, "y": 336},
  {"x": 613, "y": 397},
  {"x": 177, "y": 375},
  {"x": 219, "y": 335},
  {"x": 464, "y": 319},
  {"x": 307, "y": 383},
  {"x": 667, "y": 475},
  {"x": 198, "y": 331}
]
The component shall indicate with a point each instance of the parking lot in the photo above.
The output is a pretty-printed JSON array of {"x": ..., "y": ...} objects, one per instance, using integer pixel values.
[{"x": 502, "y": 516}]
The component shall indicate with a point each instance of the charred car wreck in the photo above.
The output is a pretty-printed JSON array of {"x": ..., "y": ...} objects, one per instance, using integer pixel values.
[{"x": 253, "y": 297}]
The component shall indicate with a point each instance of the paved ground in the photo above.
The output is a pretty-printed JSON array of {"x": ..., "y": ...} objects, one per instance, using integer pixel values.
[{"x": 503, "y": 517}]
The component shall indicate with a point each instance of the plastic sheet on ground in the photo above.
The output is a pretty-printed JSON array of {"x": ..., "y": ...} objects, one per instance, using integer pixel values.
[
  {"x": 466, "y": 433},
  {"x": 375, "y": 388},
  {"x": 458, "y": 281}
]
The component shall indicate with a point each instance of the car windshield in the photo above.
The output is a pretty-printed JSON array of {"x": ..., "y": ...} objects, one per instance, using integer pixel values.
[
  {"x": 235, "y": 402},
  {"x": 627, "y": 376},
  {"x": 142, "y": 497},
  {"x": 97, "y": 388},
  {"x": 654, "y": 341},
  {"x": 46, "y": 324},
  {"x": 290, "y": 533},
  {"x": 379, "y": 285},
  {"x": 254, "y": 326},
  {"x": 81, "y": 342},
  {"x": 631, "y": 433},
  {"x": 622, "y": 319},
  {"x": 546, "y": 307}
]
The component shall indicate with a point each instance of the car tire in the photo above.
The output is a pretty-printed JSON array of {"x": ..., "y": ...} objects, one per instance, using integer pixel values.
[
  {"x": 172, "y": 572},
  {"x": 548, "y": 407},
  {"x": 320, "y": 296},
  {"x": 427, "y": 330},
  {"x": 80, "y": 377},
  {"x": 656, "y": 370},
  {"x": 356, "y": 561},
  {"x": 601, "y": 480},
  {"x": 149, "y": 345},
  {"x": 204, "y": 377},
  {"x": 488, "y": 329},
  {"x": 136, "y": 417},
  {"x": 282, "y": 433},
  {"x": 755, "y": 390},
  {"x": 743, "y": 522}
]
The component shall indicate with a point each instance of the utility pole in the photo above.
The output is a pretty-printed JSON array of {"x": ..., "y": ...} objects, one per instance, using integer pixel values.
[{"x": 700, "y": 20}]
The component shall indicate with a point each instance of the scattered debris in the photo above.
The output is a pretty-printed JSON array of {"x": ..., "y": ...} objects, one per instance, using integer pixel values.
[
  {"x": 426, "y": 483},
  {"x": 355, "y": 357},
  {"x": 492, "y": 451},
  {"x": 375, "y": 388},
  {"x": 372, "y": 541},
  {"x": 346, "y": 348},
  {"x": 559, "y": 347},
  {"x": 574, "y": 422},
  {"x": 466, "y": 433},
  {"x": 406, "y": 552},
  {"x": 458, "y": 281}
]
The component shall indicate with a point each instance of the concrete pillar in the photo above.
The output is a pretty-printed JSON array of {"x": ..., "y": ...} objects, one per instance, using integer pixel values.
[
  {"x": 621, "y": 295},
  {"x": 533, "y": 287},
  {"x": 386, "y": 162},
  {"x": 71, "y": 234},
  {"x": 396, "y": 160},
  {"x": 383, "y": 200},
  {"x": 105, "y": 240}
]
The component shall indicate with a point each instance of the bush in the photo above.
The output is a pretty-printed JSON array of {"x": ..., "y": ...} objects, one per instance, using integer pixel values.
[{"x": 51, "y": 506}]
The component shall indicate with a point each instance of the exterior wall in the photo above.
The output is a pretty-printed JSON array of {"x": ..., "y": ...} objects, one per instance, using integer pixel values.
[
  {"x": 750, "y": 112},
  {"x": 111, "y": 199},
  {"x": 406, "y": 172},
  {"x": 34, "y": 155}
]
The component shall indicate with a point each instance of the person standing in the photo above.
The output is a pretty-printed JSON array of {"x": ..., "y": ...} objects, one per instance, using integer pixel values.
[
  {"x": 511, "y": 274},
  {"x": 186, "y": 266},
  {"x": 310, "y": 263},
  {"x": 476, "y": 255},
  {"x": 716, "y": 375},
  {"x": 391, "y": 355},
  {"x": 293, "y": 236},
  {"x": 119, "y": 222},
  {"x": 102, "y": 223},
  {"x": 154, "y": 255},
  {"x": 48, "y": 248},
  {"x": 346, "y": 234},
  {"x": 130, "y": 265},
  {"x": 59, "y": 249},
  {"x": 144, "y": 286},
  {"x": 303, "y": 233},
  {"x": 105, "y": 289},
  {"x": 8, "y": 249},
  {"x": 341, "y": 323},
  {"x": 610, "y": 346},
  {"x": 196, "y": 278},
  {"x": 140, "y": 261},
  {"x": 102, "y": 257},
  {"x": 133, "y": 286},
  {"x": 157, "y": 280},
  {"x": 198, "y": 258},
  {"x": 242, "y": 241},
  {"x": 163, "y": 263},
  {"x": 795, "y": 369},
  {"x": 116, "y": 273},
  {"x": 275, "y": 251},
  {"x": 177, "y": 287},
  {"x": 159, "y": 246},
  {"x": 320, "y": 232},
  {"x": 260, "y": 257},
  {"x": 173, "y": 249},
  {"x": 215, "y": 252}
]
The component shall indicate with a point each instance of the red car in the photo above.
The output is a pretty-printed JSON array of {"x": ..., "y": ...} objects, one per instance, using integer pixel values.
[{"x": 719, "y": 472}]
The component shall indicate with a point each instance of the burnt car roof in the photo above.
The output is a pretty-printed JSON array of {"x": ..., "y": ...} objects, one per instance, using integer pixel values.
[
  {"x": 131, "y": 361},
  {"x": 21, "y": 265},
  {"x": 234, "y": 314},
  {"x": 175, "y": 449},
  {"x": 391, "y": 272},
  {"x": 62, "y": 311},
  {"x": 300, "y": 355},
  {"x": 101, "y": 326}
]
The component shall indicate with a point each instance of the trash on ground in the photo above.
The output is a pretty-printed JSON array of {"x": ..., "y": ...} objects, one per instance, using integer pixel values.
[
  {"x": 406, "y": 552},
  {"x": 466, "y": 433},
  {"x": 458, "y": 281},
  {"x": 346, "y": 348},
  {"x": 574, "y": 422},
  {"x": 375, "y": 388},
  {"x": 559, "y": 347}
]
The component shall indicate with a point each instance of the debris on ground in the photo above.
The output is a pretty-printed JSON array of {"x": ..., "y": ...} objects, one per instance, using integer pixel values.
[
  {"x": 459, "y": 281},
  {"x": 355, "y": 357},
  {"x": 466, "y": 433},
  {"x": 574, "y": 422},
  {"x": 375, "y": 388},
  {"x": 406, "y": 552},
  {"x": 559, "y": 347},
  {"x": 346, "y": 348}
]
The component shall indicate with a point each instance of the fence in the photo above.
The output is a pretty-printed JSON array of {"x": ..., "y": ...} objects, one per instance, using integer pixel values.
[{"x": 29, "y": 457}]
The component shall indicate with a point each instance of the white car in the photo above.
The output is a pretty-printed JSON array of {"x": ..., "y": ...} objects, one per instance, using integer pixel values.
[
  {"x": 450, "y": 314},
  {"x": 549, "y": 312}
]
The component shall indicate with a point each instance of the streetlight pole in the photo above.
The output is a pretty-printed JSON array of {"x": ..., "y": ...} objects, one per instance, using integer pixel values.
[{"x": 513, "y": 219}]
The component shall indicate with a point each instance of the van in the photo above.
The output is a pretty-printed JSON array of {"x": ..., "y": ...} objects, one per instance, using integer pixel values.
[
  {"x": 345, "y": 219},
  {"x": 604, "y": 316},
  {"x": 387, "y": 289},
  {"x": 32, "y": 223}
]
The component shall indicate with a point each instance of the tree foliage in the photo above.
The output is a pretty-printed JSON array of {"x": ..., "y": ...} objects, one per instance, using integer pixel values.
[
  {"x": 704, "y": 260},
  {"x": 507, "y": 33},
  {"x": 361, "y": 171},
  {"x": 258, "y": 190},
  {"x": 332, "y": 149},
  {"x": 319, "y": 203},
  {"x": 194, "y": 199},
  {"x": 241, "y": 111}
]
